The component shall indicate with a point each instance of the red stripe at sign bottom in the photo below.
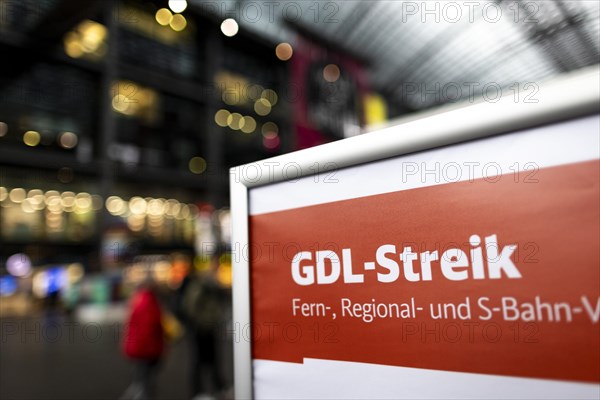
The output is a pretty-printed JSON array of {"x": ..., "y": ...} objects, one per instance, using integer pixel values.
[{"x": 488, "y": 277}]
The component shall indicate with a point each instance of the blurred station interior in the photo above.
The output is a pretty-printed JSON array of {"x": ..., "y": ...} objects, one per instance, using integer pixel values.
[{"x": 119, "y": 121}]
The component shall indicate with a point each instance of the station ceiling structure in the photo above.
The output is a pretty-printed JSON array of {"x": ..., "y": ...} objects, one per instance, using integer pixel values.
[
  {"x": 418, "y": 53},
  {"x": 423, "y": 53}
]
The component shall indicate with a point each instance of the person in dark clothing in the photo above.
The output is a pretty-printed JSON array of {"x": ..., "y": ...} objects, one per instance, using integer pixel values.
[{"x": 201, "y": 311}]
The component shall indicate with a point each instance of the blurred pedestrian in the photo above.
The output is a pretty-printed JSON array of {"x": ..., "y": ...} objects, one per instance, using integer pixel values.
[
  {"x": 202, "y": 312},
  {"x": 144, "y": 341}
]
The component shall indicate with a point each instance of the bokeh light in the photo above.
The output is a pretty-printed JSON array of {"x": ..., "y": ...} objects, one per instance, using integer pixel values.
[
  {"x": 32, "y": 138},
  {"x": 229, "y": 27},
  {"x": 331, "y": 73},
  {"x": 116, "y": 205},
  {"x": 262, "y": 107},
  {"x": 249, "y": 125},
  {"x": 86, "y": 39},
  {"x": 271, "y": 142},
  {"x": 221, "y": 117},
  {"x": 163, "y": 16},
  {"x": 17, "y": 195},
  {"x": 197, "y": 165},
  {"x": 235, "y": 121},
  {"x": 268, "y": 128},
  {"x": 67, "y": 140},
  {"x": 138, "y": 205},
  {"x": 18, "y": 265},
  {"x": 270, "y": 95},
  {"x": 178, "y": 23},
  {"x": 178, "y": 5},
  {"x": 284, "y": 51}
]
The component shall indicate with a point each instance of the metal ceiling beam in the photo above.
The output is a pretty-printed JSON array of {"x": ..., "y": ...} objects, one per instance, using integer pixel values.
[
  {"x": 541, "y": 38},
  {"x": 360, "y": 26},
  {"x": 354, "y": 34},
  {"x": 327, "y": 43},
  {"x": 574, "y": 22},
  {"x": 361, "y": 14},
  {"x": 395, "y": 36},
  {"x": 429, "y": 50}
]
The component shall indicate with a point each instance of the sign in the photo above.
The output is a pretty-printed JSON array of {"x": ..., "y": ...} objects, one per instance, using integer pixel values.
[{"x": 470, "y": 270}]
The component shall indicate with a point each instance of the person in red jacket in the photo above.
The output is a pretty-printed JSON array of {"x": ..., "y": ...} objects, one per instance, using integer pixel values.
[{"x": 144, "y": 340}]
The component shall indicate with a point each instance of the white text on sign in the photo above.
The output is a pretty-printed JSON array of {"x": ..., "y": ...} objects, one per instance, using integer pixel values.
[{"x": 454, "y": 264}]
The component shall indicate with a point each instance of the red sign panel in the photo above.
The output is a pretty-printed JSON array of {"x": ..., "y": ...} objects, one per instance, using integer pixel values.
[{"x": 486, "y": 276}]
